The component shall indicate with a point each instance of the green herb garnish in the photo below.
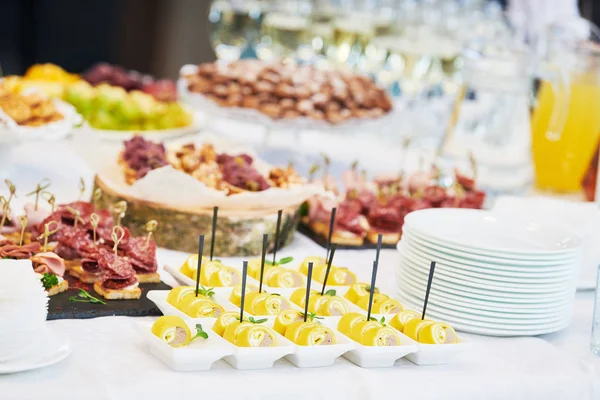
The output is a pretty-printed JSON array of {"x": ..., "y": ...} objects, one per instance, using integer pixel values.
[
  {"x": 200, "y": 332},
  {"x": 49, "y": 280},
  {"x": 311, "y": 316},
  {"x": 284, "y": 260},
  {"x": 330, "y": 292},
  {"x": 84, "y": 297},
  {"x": 204, "y": 291},
  {"x": 303, "y": 211},
  {"x": 368, "y": 288},
  {"x": 257, "y": 321},
  {"x": 381, "y": 321}
]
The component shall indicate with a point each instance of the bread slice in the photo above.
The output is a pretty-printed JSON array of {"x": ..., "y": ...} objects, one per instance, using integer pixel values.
[
  {"x": 84, "y": 276},
  {"x": 72, "y": 263},
  {"x": 347, "y": 238},
  {"x": 387, "y": 238},
  {"x": 148, "y": 278},
  {"x": 121, "y": 294},
  {"x": 56, "y": 289}
]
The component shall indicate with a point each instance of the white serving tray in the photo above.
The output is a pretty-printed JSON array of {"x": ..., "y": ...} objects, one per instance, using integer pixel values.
[
  {"x": 199, "y": 355},
  {"x": 186, "y": 280},
  {"x": 159, "y": 297},
  {"x": 436, "y": 354}
]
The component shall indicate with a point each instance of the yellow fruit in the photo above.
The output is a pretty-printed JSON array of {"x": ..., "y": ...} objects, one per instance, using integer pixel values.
[
  {"x": 316, "y": 262},
  {"x": 359, "y": 329},
  {"x": 348, "y": 321},
  {"x": 413, "y": 326},
  {"x": 381, "y": 336},
  {"x": 236, "y": 293},
  {"x": 295, "y": 328},
  {"x": 271, "y": 305},
  {"x": 333, "y": 306},
  {"x": 224, "y": 321},
  {"x": 225, "y": 276},
  {"x": 176, "y": 295},
  {"x": 437, "y": 333},
  {"x": 252, "y": 300},
  {"x": 284, "y": 319},
  {"x": 172, "y": 330},
  {"x": 317, "y": 335},
  {"x": 358, "y": 291},
  {"x": 399, "y": 320},
  {"x": 286, "y": 278},
  {"x": 254, "y": 335}
]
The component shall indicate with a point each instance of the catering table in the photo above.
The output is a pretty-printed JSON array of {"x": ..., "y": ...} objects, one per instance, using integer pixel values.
[{"x": 109, "y": 361}]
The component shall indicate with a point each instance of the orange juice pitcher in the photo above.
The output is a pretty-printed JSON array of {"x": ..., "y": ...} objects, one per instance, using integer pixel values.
[{"x": 566, "y": 119}]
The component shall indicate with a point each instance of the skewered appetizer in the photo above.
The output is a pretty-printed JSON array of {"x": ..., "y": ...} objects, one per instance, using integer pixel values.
[
  {"x": 50, "y": 269},
  {"x": 367, "y": 333},
  {"x": 175, "y": 332},
  {"x": 321, "y": 305},
  {"x": 275, "y": 275},
  {"x": 265, "y": 303},
  {"x": 430, "y": 332},
  {"x": 382, "y": 304},
  {"x": 244, "y": 334},
  {"x": 202, "y": 306},
  {"x": 338, "y": 276},
  {"x": 285, "y": 319},
  {"x": 236, "y": 293},
  {"x": 286, "y": 91},
  {"x": 118, "y": 278},
  {"x": 212, "y": 273},
  {"x": 369, "y": 208},
  {"x": 310, "y": 333}
]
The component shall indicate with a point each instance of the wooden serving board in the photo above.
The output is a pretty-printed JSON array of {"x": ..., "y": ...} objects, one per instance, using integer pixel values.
[{"x": 60, "y": 307}]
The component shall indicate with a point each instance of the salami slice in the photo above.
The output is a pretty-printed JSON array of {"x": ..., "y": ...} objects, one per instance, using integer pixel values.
[
  {"x": 115, "y": 268},
  {"x": 106, "y": 235},
  {"x": 118, "y": 284},
  {"x": 141, "y": 255},
  {"x": 385, "y": 219},
  {"x": 73, "y": 243}
]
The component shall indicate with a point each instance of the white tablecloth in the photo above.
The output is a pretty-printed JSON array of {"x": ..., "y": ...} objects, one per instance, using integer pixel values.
[{"x": 110, "y": 362}]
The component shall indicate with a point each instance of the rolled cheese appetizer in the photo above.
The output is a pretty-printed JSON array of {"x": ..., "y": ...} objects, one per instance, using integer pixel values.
[
  {"x": 359, "y": 329},
  {"x": 224, "y": 321},
  {"x": 208, "y": 269},
  {"x": 437, "y": 333},
  {"x": 348, "y": 321},
  {"x": 254, "y": 268},
  {"x": 340, "y": 277},
  {"x": 316, "y": 335},
  {"x": 357, "y": 291},
  {"x": 190, "y": 266},
  {"x": 285, "y": 278},
  {"x": 271, "y": 305},
  {"x": 399, "y": 320},
  {"x": 413, "y": 326},
  {"x": 382, "y": 304},
  {"x": 299, "y": 296},
  {"x": 200, "y": 307},
  {"x": 316, "y": 262},
  {"x": 176, "y": 295},
  {"x": 255, "y": 335},
  {"x": 285, "y": 319},
  {"x": 225, "y": 277},
  {"x": 332, "y": 306},
  {"x": 172, "y": 330},
  {"x": 252, "y": 300},
  {"x": 380, "y": 336},
  {"x": 236, "y": 293}
]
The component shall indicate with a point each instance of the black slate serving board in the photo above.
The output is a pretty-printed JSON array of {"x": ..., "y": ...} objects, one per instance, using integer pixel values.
[
  {"x": 321, "y": 241},
  {"x": 60, "y": 307}
]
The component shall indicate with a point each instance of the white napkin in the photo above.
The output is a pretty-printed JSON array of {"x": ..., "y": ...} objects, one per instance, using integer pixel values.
[{"x": 582, "y": 218}]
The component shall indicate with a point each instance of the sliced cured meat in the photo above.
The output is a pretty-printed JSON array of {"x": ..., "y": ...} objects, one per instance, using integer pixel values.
[
  {"x": 143, "y": 156},
  {"x": 467, "y": 183},
  {"x": 226, "y": 158},
  {"x": 89, "y": 263},
  {"x": 48, "y": 263},
  {"x": 106, "y": 235},
  {"x": 434, "y": 195},
  {"x": 118, "y": 284},
  {"x": 16, "y": 252},
  {"x": 365, "y": 198},
  {"x": 73, "y": 242},
  {"x": 418, "y": 181},
  {"x": 319, "y": 208},
  {"x": 85, "y": 209},
  {"x": 142, "y": 255},
  {"x": 115, "y": 267},
  {"x": 385, "y": 219},
  {"x": 348, "y": 218},
  {"x": 238, "y": 172}
]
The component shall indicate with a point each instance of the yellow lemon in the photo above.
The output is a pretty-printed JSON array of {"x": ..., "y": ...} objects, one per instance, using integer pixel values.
[
  {"x": 284, "y": 319},
  {"x": 172, "y": 330},
  {"x": 348, "y": 321},
  {"x": 236, "y": 293},
  {"x": 413, "y": 326},
  {"x": 399, "y": 320},
  {"x": 437, "y": 333}
]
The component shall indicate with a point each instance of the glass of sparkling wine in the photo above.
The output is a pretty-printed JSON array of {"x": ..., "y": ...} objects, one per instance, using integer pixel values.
[
  {"x": 283, "y": 35},
  {"x": 595, "y": 342},
  {"x": 234, "y": 25},
  {"x": 351, "y": 35}
]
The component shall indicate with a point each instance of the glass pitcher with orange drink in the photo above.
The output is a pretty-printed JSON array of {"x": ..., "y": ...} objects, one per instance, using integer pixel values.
[{"x": 566, "y": 118}]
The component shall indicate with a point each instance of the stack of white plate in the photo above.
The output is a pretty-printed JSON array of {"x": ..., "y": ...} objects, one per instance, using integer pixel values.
[{"x": 494, "y": 275}]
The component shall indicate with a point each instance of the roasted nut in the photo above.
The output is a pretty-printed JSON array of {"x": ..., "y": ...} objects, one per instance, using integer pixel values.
[
  {"x": 333, "y": 106},
  {"x": 305, "y": 106},
  {"x": 247, "y": 90},
  {"x": 290, "y": 114},
  {"x": 234, "y": 100},
  {"x": 334, "y": 117},
  {"x": 316, "y": 114},
  {"x": 264, "y": 86},
  {"x": 284, "y": 90},
  {"x": 220, "y": 90},
  {"x": 287, "y": 104},
  {"x": 302, "y": 92},
  {"x": 272, "y": 110},
  {"x": 251, "y": 102}
]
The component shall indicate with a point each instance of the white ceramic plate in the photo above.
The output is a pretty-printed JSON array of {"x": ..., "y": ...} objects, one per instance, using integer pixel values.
[
  {"x": 436, "y": 354},
  {"x": 456, "y": 280},
  {"x": 52, "y": 349},
  {"x": 481, "y": 231},
  {"x": 159, "y": 297},
  {"x": 488, "y": 274},
  {"x": 199, "y": 355},
  {"x": 186, "y": 280}
]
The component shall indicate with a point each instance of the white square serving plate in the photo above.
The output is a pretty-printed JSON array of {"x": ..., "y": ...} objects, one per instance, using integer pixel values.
[
  {"x": 199, "y": 355},
  {"x": 436, "y": 354}
]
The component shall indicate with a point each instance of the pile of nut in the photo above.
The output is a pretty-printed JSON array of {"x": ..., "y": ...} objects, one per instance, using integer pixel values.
[
  {"x": 28, "y": 110},
  {"x": 286, "y": 91}
]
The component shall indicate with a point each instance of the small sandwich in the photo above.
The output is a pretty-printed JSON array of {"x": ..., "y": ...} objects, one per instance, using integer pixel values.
[
  {"x": 50, "y": 269},
  {"x": 88, "y": 270},
  {"x": 387, "y": 221},
  {"x": 141, "y": 253},
  {"x": 118, "y": 278}
]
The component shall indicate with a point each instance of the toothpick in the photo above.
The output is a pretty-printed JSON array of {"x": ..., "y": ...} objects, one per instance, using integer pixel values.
[
  {"x": 44, "y": 184},
  {"x": 23, "y": 226},
  {"x": 81, "y": 188},
  {"x": 354, "y": 165},
  {"x": 331, "y": 225},
  {"x": 329, "y": 262},
  {"x": 200, "y": 253},
  {"x": 327, "y": 163},
  {"x": 431, "y": 271},
  {"x": 213, "y": 232},
  {"x": 97, "y": 196},
  {"x": 117, "y": 235},
  {"x": 243, "y": 294},
  {"x": 313, "y": 170},
  {"x": 5, "y": 211},
  {"x": 120, "y": 208},
  {"x": 308, "y": 280},
  {"x": 49, "y": 197},
  {"x": 94, "y": 220},
  {"x": 47, "y": 233},
  {"x": 277, "y": 227},
  {"x": 150, "y": 228},
  {"x": 76, "y": 215},
  {"x": 473, "y": 163},
  {"x": 12, "y": 189},
  {"x": 262, "y": 261}
]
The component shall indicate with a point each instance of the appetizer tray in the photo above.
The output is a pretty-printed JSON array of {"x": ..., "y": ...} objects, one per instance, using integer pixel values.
[
  {"x": 61, "y": 307},
  {"x": 322, "y": 241}
]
